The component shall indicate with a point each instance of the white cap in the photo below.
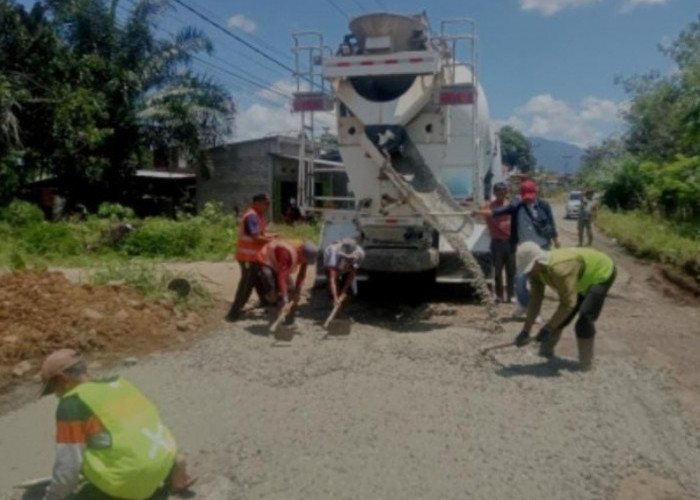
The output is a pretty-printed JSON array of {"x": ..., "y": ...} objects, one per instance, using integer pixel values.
[{"x": 527, "y": 254}]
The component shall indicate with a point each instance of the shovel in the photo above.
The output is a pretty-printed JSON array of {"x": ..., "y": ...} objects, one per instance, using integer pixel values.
[
  {"x": 504, "y": 345},
  {"x": 284, "y": 312}
]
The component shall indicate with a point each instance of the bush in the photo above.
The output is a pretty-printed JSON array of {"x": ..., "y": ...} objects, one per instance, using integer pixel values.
[
  {"x": 22, "y": 213},
  {"x": 51, "y": 239},
  {"x": 164, "y": 238},
  {"x": 114, "y": 211},
  {"x": 627, "y": 189},
  {"x": 654, "y": 238}
]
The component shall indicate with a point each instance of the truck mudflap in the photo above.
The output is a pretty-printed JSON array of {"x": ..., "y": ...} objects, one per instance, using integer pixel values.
[{"x": 400, "y": 260}]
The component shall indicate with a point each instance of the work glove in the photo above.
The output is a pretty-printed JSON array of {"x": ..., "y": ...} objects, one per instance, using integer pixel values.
[
  {"x": 544, "y": 335},
  {"x": 522, "y": 339}
]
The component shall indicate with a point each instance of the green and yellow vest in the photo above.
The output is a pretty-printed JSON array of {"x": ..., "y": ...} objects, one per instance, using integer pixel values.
[
  {"x": 143, "y": 450},
  {"x": 597, "y": 266}
]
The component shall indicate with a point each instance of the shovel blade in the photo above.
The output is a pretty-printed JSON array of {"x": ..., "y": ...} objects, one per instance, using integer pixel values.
[{"x": 339, "y": 327}]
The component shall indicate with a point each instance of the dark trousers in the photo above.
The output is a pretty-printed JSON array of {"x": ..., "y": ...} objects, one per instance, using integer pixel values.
[
  {"x": 503, "y": 259},
  {"x": 589, "y": 307},
  {"x": 250, "y": 279}
]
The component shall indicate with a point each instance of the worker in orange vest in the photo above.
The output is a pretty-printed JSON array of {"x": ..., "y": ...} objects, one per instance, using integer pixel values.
[
  {"x": 280, "y": 259},
  {"x": 251, "y": 238}
]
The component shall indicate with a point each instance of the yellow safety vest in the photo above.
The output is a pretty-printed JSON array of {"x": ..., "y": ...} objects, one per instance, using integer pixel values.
[
  {"x": 143, "y": 451},
  {"x": 597, "y": 266}
]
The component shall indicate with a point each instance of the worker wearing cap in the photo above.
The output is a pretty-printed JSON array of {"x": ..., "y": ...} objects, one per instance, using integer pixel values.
[
  {"x": 581, "y": 277},
  {"x": 341, "y": 261},
  {"x": 280, "y": 259},
  {"x": 251, "y": 238},
  {"x": 531, "y": 220},
  {"x": 110, "y": 433}
]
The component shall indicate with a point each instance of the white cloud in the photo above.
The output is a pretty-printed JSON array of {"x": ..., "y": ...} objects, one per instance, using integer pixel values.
[
  {"x": 544, "y": 116},
  {"x": 242, "y": 23},
  {"x": 549, "y": 7},
  {"x": 632, "y": 4},
  {"x": 261, "y": 121},
  {"x": 272, "y": 93}
]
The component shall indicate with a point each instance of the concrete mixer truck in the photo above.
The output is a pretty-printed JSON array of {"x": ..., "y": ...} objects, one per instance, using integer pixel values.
[{"x": 415, "y": 140}]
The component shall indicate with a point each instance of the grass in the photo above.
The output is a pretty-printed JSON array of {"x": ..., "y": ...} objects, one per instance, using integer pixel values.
[
  {"x": 653, "y": 238},
  {"x": 152, "y": 281},
  {"x": 26, "y": 240}
]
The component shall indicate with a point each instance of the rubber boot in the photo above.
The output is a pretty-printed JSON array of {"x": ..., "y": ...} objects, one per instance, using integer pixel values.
[
  {"x": 547, "y": 348},
  {"x": 585, "y": 353}
]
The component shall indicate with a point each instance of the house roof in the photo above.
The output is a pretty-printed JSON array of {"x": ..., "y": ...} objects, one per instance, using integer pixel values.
[
  {"x": 317, "y": 161},
  {"x": 160, "y": 174}
]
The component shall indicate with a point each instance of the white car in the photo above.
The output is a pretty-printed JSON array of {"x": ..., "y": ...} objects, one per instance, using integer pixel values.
[{"x": 573, "y": 205}]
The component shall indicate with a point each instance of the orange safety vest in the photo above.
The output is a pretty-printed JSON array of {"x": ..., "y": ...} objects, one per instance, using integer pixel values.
[
  {"x": 247, "y": 248},
  {"x": 266, "y": 255}
]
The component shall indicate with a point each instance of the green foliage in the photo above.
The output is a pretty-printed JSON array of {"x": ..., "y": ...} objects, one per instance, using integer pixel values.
[
  {"x": 673, "y": 188},
  {"x": 653, "y": 237},
  {"x": 626, "y": 191},
  {"x": 16, "y": 261},
  {"x": 516, "y": 150},
  {"x": 164, "y": 238},
  {"x": 86, "y": 96},
  {"x": 21, "y": 213},
  {"x": 114, "y": 211},
  {"x": 47, "y": 238}
]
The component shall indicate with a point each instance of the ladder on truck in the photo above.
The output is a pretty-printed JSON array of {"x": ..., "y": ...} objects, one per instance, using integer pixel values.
[
  {"x": 418, "y": 187},
  {"x": 401, "y": 163},
  {"x": 312, "y": 95},
  {"x": 454, "y": 35}
]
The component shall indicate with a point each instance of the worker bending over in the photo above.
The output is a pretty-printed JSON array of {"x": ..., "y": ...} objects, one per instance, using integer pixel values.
[
  {"x": 280, "y": 259},
  {"x": 110, "y": 433},
  {"x": 581, "y": 277},
  {"x": 341, "y": 261}
]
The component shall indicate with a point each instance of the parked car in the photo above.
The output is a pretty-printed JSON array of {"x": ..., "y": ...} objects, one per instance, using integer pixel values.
[{"x": 573, "y": 205}]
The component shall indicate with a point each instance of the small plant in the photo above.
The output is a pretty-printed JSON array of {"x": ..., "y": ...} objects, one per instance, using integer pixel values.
[
  {"x": 22, "y": 213},
  {"x": 114, "y": 211},
  {"x": 152, "y": 281},
  {"x": 16, "y": 261}
]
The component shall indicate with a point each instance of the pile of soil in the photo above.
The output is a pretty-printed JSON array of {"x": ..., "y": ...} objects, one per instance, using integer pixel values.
[{"x": 43, "y": 311}]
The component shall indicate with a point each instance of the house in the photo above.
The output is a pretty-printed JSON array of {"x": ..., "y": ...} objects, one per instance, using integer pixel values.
[{"x": 268, "y": 164}]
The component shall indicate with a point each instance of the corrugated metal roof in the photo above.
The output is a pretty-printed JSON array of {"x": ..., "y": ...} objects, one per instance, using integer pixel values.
[{"x": 160, "y": 174}]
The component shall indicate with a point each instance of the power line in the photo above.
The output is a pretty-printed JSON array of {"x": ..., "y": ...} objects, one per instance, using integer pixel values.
[
  {"x": 381, "y": 5},
  {"x": 337, "y": 7},
  {"x": 254, "y": 80},
  {"x": 233, "y": 35},
  {"x": 359, "y": 5}
]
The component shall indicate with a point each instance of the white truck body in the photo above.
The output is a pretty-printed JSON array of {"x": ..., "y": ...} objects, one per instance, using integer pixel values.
[{"x": 397, "y": 84}]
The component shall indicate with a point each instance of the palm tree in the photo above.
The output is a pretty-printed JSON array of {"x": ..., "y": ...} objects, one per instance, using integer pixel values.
[{"x": 154, "y": 99}]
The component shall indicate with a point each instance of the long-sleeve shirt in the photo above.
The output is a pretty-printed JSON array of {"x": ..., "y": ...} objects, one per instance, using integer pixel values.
[
  {"x": 563, "y": 278},
  {"x": 76, "y": 429},
  {"x": 516, "y": 209}
]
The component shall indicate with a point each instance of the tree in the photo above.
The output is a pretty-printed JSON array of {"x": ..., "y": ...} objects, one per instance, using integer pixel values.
[
  {"x": 99, "y": 94},
  {"x": 664, "y": 116},
  {"x": 516, "y": 150}
]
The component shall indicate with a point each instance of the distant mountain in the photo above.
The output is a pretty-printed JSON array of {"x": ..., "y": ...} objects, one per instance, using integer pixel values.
[{"x": 556, "y": 156}]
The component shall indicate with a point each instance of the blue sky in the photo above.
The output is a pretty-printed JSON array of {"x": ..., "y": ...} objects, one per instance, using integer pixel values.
[{"x": 547, "y": 66}]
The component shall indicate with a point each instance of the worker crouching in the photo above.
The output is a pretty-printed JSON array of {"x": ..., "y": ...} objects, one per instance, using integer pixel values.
[
  {"x": 108, "y": 432},
  {"x": 341, "y": 261},
  {"x": 280, "y": 259},
  {"x": 581, "y": 277}
]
